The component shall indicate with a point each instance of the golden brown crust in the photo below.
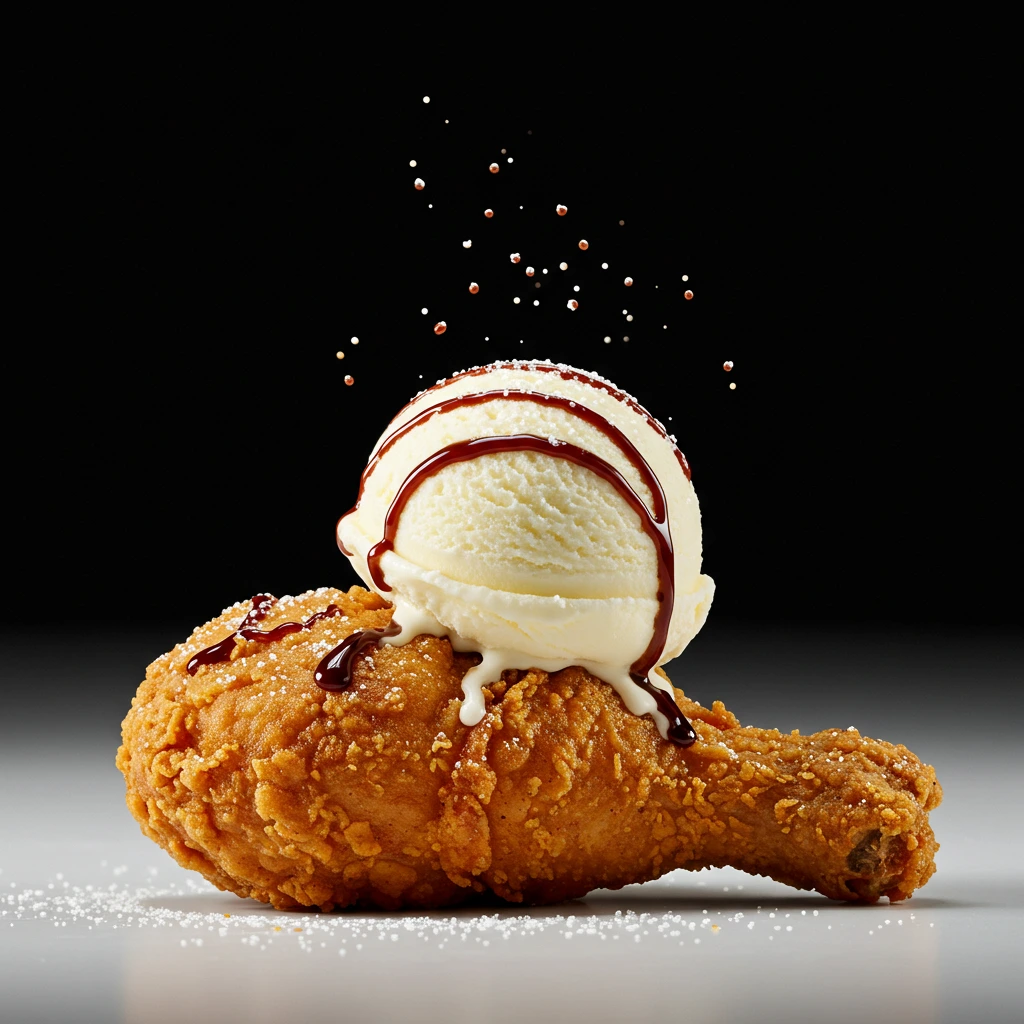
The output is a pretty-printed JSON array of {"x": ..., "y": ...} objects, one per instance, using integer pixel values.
[{"x": 252, "y": 775}]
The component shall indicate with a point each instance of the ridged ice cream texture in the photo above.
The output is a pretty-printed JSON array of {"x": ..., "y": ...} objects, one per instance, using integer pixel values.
[{"x": 529, "y": 558}]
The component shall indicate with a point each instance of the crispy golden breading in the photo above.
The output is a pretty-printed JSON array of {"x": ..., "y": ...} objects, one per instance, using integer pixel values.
[{"x": 272, "y": 788}]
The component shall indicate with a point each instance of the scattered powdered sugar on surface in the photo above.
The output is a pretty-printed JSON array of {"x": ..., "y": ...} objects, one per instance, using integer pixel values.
[{"x": 115, "y": 905}]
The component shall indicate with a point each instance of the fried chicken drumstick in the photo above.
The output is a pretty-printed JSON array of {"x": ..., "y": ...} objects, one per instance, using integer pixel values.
[{"x": 378, "y": 796}]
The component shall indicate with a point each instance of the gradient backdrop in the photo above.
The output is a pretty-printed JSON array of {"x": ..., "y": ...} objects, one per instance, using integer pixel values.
[{"x": 203, "y": 244}]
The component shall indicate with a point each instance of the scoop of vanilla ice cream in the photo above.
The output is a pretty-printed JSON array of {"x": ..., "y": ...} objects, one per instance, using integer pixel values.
[{"x": 526, "y": 556}]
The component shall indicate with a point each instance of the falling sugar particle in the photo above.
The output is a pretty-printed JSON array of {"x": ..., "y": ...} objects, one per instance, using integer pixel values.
[
  {"x": 727, "y": 365},
  {"x": 503, "y": 152},
  {"x": 424, "y": 310},
  {"x": 536, "y": 302},
  {"x": 353, "y": 341},
  {"x": 686, "y": 277},
  {"x": 625, "y": 337},
  {"x": 584, "y": 244},
  {"x": 516, "y": 300},
  {"x": 412, "y": 163},
  {"x": 426, "y": 99},
  {"x": 575, "y": 287},
  {"x": 530, "y": 271},
  {"x": 488, "y": 214},
  {"x": 732, "y": 386},
  {"x": 350, "y": 380},
  {"x": 545, "y": 270},
  {"x": 561, "y": 266},
  {"x": 473, "y": 287},
  {"x": 536, "y": 284},
  {"x": 573, "y": 304},
  {"x": 509, "y": 160},
  {"x": 561, "y": 210},
  {"x": 468, "y": 243},
  {"x": 628, "y": 282},
  {"x": 604, "y": 266},
  {"x": 687, "y": 294},
  {"x": 418, "y": 184},
  {"x": 621, "y": 223},
  {"x": 440, "y": 327},
  {"x": 340, "y": 355},
  {"x": 494, "y": 168},
  {"x": 630, "y": 317},
  {"x": 430, "y": 206},
  {"x": 607, "y": 340},
  {"x": 514, "y": 257}
]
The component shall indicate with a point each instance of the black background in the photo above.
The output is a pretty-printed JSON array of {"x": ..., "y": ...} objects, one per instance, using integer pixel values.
[{"x": 204, "y": 235}]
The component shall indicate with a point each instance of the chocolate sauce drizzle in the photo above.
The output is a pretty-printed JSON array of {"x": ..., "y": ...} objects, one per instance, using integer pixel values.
[
  {"x": 679, "y": 731},
  {"x": 261, "y": 604},
  {"x": 334, "y": 673},
  {"x": 538, "y": 398},
  {"x": 568, "y": 373}
]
